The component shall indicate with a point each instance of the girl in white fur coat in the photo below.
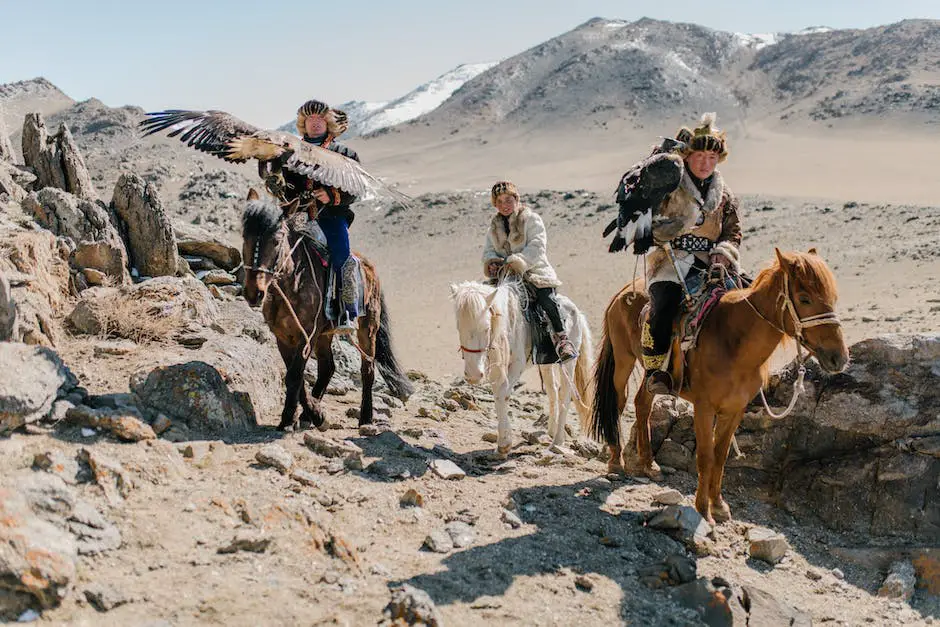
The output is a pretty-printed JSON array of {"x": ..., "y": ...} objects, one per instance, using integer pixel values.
[{"x": 516, "y": 239}]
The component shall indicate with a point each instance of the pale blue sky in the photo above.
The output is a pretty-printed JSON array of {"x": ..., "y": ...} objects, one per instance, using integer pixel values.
[{"x": 260, "y": 59}]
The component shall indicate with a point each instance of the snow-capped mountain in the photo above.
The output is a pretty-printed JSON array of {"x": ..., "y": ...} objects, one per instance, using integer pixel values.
[
  {"x": 762, "y": 40},
  {"x": 367, "y": 117}
]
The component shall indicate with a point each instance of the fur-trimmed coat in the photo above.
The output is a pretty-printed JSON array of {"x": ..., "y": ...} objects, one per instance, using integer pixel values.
[
  {"x": 523, "y": 248},
  {"x": 715, "y": 219}
]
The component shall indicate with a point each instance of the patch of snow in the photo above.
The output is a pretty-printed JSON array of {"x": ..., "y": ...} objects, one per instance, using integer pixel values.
[
  {"x": 677, "y": 60},
  {"x": 423, "y": 99},
  {"x": 615, "y": 24},
  {"x": 756, "y": 40},
  {"x": 812, "y": 30}
]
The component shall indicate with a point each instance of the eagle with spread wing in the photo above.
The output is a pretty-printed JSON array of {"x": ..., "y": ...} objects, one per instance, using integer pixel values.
[{"x": 227, "y": 137}]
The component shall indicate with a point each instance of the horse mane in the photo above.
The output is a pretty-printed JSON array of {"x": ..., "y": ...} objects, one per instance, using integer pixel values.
[
  {"x": 260, "y": 218},
  {"x": 470, "y": 301}
]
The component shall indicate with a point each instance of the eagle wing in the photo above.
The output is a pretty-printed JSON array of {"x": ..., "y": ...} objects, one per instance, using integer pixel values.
[
  {"x": 641, "y": 191},
  {"x": 227, "y": 137},
  {"x": 218, "y": 133},
  {"x": 337, "y": 170}
]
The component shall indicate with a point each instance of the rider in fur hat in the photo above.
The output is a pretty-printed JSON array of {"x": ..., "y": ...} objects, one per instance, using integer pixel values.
[
  {"x": 319, "y": 124},
  {"x": 696, "y": 222},
  {"x": 516, "y": 241}
]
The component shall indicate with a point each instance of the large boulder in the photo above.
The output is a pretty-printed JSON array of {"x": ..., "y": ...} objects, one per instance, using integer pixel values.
[
  {"x": 55, "y": 159},
  {"x": 33, "y": 378},
  {"x": 150, "y": 310},
  {"x": 860, "y": 451},
  {"x": 38, "y": 276},
  {"x": 195, "y": 394},
  {"x": 151, "y": 241},
  {"x": 107, "y": 257},
  {"x": 44, "y": 527},
  {"x": 194, "y": 241},
  {"x": 37, "y": 558}
]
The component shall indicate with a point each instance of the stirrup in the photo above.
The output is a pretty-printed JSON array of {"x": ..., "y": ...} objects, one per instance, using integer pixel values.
[
  {"x": 659, "y": 382},
  {"x": 564, "y": 348},
  {"x": 347, "y": 323}
]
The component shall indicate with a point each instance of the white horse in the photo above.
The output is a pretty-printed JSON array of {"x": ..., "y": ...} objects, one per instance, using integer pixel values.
[{"x": 496, "y": 344}]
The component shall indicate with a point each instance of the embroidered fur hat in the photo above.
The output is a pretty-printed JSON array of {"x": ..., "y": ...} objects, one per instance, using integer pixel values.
[
  {"x": 336, "y": 120},
  {"x": 707, "y": 136},
  {"x": 503, "y": 187}
]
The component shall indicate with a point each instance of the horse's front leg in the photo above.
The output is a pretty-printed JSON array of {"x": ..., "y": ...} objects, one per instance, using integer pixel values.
[
  {"x": 724, "y": 431},
  {"x": 705, "y": 457},
  {"x": 551, "y": 391},
  {"x": 503, "y": 427},
  {"x": 313, "y": 412},
  {"x": 293, "y": 382},
  {"x": 639, "y": 460}
]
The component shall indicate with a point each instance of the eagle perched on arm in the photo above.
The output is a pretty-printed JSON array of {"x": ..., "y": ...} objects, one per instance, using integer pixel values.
[
  {"x": 227, "y": 137},
  {"x": 640, "y": 193}
]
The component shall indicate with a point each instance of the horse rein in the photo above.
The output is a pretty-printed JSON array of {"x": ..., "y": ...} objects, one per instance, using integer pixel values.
[
  {"x": 828, "y": 317},
  {"x": 275, "y": 278}
]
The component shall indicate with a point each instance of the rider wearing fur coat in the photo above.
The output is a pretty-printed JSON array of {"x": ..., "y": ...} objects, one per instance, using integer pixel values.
[
  {"x": 320, "y": 124},
  {"x": 516, "y": 240},
  {"x": 710, "y": 234}
]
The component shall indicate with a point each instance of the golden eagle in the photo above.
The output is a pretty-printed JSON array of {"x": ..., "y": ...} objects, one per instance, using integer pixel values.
[
  {"x": 225, "y": 136},
  {"x": 640, "y": 195}
]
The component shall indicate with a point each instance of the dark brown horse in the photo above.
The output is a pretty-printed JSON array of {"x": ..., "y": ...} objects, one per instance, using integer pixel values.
[
  {"x": 795, "y": 297},
  {"x": 286, "y": 275}
]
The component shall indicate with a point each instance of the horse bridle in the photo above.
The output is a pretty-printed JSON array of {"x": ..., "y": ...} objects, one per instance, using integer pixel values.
[
  {"x": 489, "y": 338},
  {"x": 255, "y": 255},
  {"x": 827, "y": 317}
]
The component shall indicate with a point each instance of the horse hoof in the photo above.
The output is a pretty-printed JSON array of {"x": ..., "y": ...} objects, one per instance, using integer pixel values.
[
  {"x": 615, "y": 468},
  {"x": 503, "y": 451},
  {"x": 636, "y": 468},
  {"x": 721, "y": 512},
  {"x": 314, "y": 419}
]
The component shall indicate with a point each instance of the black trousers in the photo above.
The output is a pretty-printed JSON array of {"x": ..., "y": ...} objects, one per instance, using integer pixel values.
[
  {"x": 545, "y": 297},
  {"x": 665, "y": 300}
]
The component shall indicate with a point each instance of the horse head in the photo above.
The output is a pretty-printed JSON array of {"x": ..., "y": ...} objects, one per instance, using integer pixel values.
[
  {"x": 262, "y": 237},
  {"x": 811, "y": 293},
  {"x": 476, "y": 312}
]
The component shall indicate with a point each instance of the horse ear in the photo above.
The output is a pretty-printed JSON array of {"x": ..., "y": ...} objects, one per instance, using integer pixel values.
[
  {"x": 782, "y": 258},
  {"x": 812, "y": 251},
  {"x": 253, "y": 194},
  {"x": 453, "y": 291},
  {"x": 291, "y": 208}
]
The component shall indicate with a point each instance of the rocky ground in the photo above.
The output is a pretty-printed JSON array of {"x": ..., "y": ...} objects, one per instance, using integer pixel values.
[
  {"x": 316, "y": 528},
  {"x": 144, "y": 483}
]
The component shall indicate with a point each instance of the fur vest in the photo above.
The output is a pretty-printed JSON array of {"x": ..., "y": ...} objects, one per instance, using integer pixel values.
[
  {"x": 524, "y": 248},
  {"x": 684, "y": 211}
]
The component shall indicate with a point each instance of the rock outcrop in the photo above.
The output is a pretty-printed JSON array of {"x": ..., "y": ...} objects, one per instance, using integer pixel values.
[
  {"x": 55, "y": 158},
  {"x": 861, "y": 450},
  {"x": 151, "y": 241}
]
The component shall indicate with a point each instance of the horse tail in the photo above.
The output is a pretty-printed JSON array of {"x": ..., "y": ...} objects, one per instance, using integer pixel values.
[
  {"x": 396, "y": 380},
  {"x": 582, "y": 373},
  {"x": 604, "y": 423}
]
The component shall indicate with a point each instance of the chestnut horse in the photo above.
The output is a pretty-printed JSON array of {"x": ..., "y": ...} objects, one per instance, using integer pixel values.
[
  {"x": 795, "y": 297},
  {"x": 286, "y": 275}
]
